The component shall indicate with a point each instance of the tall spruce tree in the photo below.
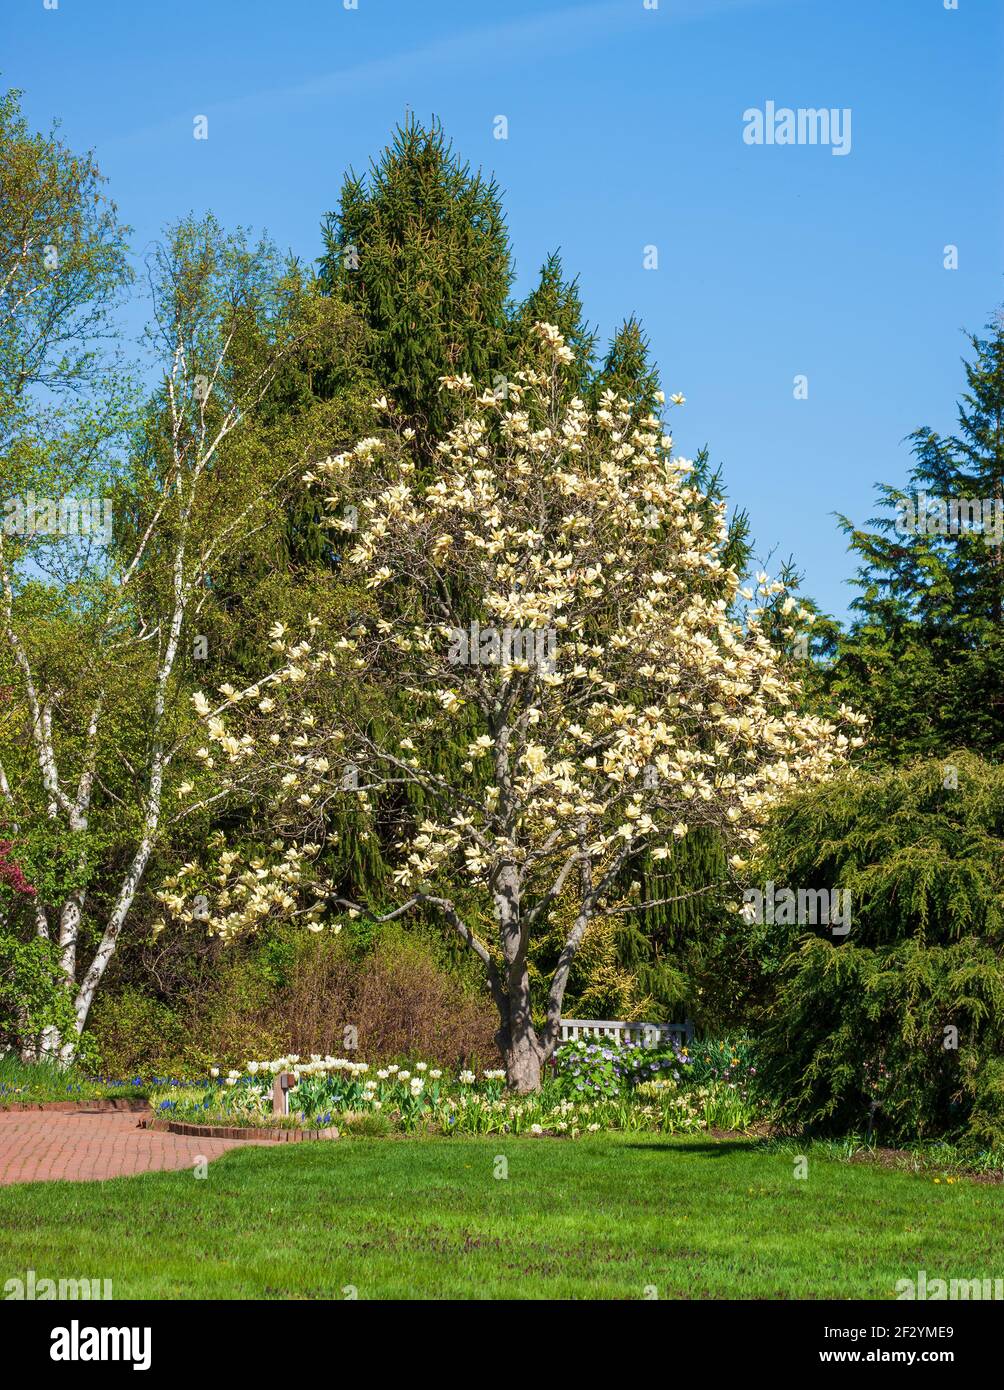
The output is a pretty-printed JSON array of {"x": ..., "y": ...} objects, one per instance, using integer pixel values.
[
  {"x": 924, "y": 656},
  {"x": 627, "y": 370},
  {"x": 419, "y": 247},
  {"x": 555, "y": 299},
  {"x": 418, "y": 253}
]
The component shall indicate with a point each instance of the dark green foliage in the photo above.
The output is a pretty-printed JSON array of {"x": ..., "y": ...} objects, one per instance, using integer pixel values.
[
  {"x": 654, "y": 942},
  {"x": 554, "y": 299},
  {"x": 924, "y": 657},
  {"x": 627, "y": 370},
  {"x": 852, "y": 1025},
  {"x": 923, "y": 860},
  {"x": 420, "y": 249}
]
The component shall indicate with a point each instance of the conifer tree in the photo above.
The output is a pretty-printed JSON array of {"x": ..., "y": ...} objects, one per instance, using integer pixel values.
[
  {"x": 554, "y": 299},
  {"x": 924, "y": 656},
  {"x": 419, "y": 247},
  {"x": 627, "y": 370}
]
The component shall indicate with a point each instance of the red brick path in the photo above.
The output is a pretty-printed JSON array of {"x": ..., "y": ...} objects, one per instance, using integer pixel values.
[{"x": 39, "y": 1145}]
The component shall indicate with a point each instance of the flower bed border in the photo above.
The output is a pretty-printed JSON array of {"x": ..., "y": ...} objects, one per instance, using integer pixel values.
[
  {"x": 77, "y": 1107},
  {"x": 275, "y": 1133}
]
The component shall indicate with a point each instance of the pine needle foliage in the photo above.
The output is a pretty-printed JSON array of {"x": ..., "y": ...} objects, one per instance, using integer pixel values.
[{"x": 906, "y": 1011}]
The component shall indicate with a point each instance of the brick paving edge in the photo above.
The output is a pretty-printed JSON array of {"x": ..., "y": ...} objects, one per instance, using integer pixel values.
[{"x": 276, "y": 1136}]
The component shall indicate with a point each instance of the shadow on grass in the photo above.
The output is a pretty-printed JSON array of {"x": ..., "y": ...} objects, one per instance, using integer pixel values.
[{"x": 711, "y": 1149}]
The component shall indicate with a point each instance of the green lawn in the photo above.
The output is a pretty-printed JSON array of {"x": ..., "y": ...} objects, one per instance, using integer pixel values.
[{"x": 601, "y": 1217}]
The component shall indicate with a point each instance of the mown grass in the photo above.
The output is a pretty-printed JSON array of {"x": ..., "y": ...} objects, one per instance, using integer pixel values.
[{"x": 610, "y": 1216}]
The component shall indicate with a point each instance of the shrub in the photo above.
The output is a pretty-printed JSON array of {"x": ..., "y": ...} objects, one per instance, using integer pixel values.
[
  {"x": 408, "y": 1005},
  {"x": 136, "y": 1033},
  {"x": 907, "y": 1011},
  {"x": 304, "y": 993},
  {"x": 397, "y": 998},
  {"x": 857, "y": 1026},
  {"x": 607, "y": 1069},
  {"x": 34, "y": 995}
]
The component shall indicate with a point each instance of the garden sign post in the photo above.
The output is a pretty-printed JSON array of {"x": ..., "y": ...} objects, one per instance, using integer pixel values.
[{"x": 281, "y": 1087}]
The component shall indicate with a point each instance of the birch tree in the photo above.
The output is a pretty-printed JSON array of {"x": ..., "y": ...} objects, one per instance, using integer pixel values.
[
  {"x": 99, "y": 629},
  {"x": 557, "y": 583}
]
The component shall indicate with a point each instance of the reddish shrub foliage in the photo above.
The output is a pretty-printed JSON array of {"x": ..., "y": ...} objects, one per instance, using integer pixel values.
[
  {"x": 397, "y": 1001},
  {"x": 11, "y": 872}
]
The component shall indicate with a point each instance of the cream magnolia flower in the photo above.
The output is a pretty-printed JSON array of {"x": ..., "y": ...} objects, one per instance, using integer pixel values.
[{"x": 534, "y": 758}]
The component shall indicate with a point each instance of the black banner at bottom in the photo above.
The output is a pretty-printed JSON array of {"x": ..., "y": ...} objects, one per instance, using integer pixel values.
[{"x": 72, "y": 1339}]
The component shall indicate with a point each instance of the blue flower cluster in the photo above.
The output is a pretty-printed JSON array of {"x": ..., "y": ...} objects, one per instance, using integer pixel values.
[{"x": 605, "y": 1070}]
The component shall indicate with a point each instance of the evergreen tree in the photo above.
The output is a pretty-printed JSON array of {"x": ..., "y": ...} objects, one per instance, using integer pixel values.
[
  {"x": 901, "y": 1018},
  {"x": 627, "y": 370},
  {"x": 418, "y": 255},
  {"x": 555, "y": 300},
  {"x": 420, "y": 249},
  {"x": 924, "y": 656}
]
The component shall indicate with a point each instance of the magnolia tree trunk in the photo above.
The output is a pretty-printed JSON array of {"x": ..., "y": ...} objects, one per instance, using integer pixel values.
[
  {"x": 517, "y": 1039},
  {"x": 524, "y": 1058}
]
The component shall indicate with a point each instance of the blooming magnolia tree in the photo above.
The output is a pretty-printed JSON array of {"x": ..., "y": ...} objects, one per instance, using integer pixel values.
[{"x": 555, "y": 589}]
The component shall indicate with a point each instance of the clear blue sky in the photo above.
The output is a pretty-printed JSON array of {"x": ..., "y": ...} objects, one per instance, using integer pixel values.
[{"x": 625, "y": 130}]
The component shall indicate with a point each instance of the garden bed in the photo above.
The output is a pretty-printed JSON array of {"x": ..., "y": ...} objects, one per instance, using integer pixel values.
[
  {"x": 83, "y": 1107},
  {"x": 591, "y": 1087}
]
